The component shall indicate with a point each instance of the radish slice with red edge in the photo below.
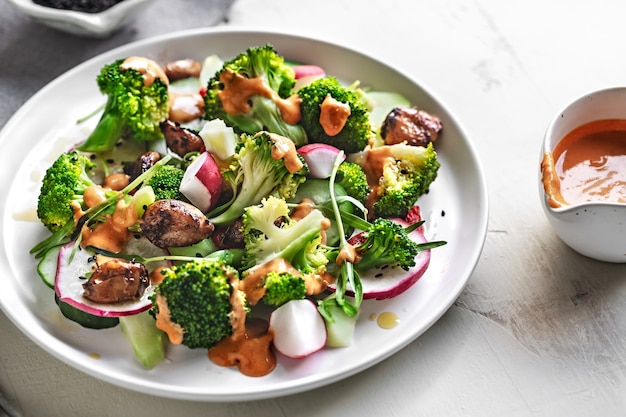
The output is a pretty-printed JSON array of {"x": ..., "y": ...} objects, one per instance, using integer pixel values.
[
  {"x": 299, "y": 329},
  {"x": 320, "y": 158},
  {"x": 388, "y": 282},
  {"x": 70, "y": 277},
  {"x": 305, "y": 74},
  {"x": 301, "y": 71},
  {"x": 202, "y": 182}
]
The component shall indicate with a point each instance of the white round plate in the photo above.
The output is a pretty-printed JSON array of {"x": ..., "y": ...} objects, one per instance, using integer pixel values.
[{"x": 455, "y": 210}]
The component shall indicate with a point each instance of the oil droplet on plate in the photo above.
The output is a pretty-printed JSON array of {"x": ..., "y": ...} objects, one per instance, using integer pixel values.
[
  {"x": 387, "y": 320},
  {"x": 94, "y": 355}
]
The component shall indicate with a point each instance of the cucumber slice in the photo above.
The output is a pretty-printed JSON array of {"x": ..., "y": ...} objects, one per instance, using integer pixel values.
[
  {"x": 199, "y": 250},
  {"x": 47, "y": 266},
  {"x": 147, "y": 341},
  {"x": 85, "y": 319},
  {"x": 382, "y": 102}
]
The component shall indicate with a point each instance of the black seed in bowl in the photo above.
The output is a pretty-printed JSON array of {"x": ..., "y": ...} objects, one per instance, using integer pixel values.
[{"x": 86, "y": 6}]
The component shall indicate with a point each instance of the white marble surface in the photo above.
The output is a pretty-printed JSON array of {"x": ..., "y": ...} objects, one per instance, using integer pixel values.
[{"x": 539, "y": 330}]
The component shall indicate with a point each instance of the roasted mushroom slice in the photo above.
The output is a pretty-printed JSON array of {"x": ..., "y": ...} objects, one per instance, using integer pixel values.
[
  {"x": 230, "y": 236},
  {"x": 183, "y": 68},
  {"x": 411, "y": 125},
  {"x": 174, "y": 223},
  {"x": 142, "y": 164},
  {"x": 115, "y": 281},
  {"x": 180, "y": 140}
]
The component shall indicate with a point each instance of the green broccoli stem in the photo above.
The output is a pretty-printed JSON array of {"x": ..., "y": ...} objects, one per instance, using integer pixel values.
[
  {"x": 232, "y": 213},
  {"x": 378, "y": 254},
  {"x": 293, "y": 251},
  {"x": 107, "y": 132},
  {"x": 246, "y": 197}
]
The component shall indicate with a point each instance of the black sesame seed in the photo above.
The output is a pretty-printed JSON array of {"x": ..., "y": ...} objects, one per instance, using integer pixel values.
[{"x": 87, "y": 6}]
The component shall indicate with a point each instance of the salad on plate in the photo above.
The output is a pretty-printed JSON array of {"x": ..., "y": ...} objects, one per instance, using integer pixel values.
[{"x": 244, "y": 206}]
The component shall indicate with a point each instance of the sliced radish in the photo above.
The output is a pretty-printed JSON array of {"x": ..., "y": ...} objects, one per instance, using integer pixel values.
[
  {"x": 307, "y": 70},
  {"x": 320, "y": 158},
  {"x": 219, "y": 139},
  {"x": 68, "y": 285},
  {"x": 388, "y": 282},
  {"x": 299, "y": 329},
  {"x": 202, "y": 182},
  {"x": 305, "y": 74}
]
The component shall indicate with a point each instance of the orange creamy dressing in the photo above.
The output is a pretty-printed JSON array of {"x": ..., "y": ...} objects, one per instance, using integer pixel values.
[
  {"x": 333, "y": 115},
  {"x": 150, "y": 70},
  {"x": 376, "y": 159},
  {"x": 249, "y": 350},
  {"x": 285, "y": 149},
  {"x": 165, "y": 324},
  {"x": 113, "y": 234},
  {"x": 116, "y": 181},
  {"x": 252, "y": 282},
  {"x": 185, "y": 107},
  {"x": 249, "y": 346},
  {"x": 347, "y": 253},
  {"x": 588, "y": 164},
  {"x": 238, "y": 89}
]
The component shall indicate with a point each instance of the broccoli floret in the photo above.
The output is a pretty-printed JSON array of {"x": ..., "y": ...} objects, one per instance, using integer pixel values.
[
  {"x": 353, "y": 179},
  {"x": 281, "y": 287},
  {"x": 293, "y": 247},
  {"x": 259, "y": 169},
  {"x": 251, "y": 93},
  {"x": 385, "y": 242},
  {"x": 61, "y": 191},
  {"x": 62, "y": 188},
  {"x": 166, "y": 183},
  {"x": 270, "y": 233},
  {"x": 355, "y": 132},
  {"x": 134, "y": 107},
  {"x": 196, "y": 299},
  {"x": 406, "y": 172}
]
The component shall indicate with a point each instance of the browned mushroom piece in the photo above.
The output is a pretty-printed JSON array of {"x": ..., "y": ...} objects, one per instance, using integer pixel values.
[
  {"x": 411, "y": 125},
  {"x": 183, "y": 68},
  {"x": 142, "y": 164},
  {"x": 181, "y": 141},
  {"x": 115, "y": 281},
  {"x": 230, "y": 236},
  {"x": 174, "y": 223}
]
